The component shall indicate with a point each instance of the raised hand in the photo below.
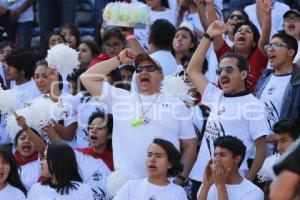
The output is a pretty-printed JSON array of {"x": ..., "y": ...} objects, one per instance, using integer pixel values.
[
  {"x": 217, "y": 28},
  {"x": 21, "y": 121},
  {"x": 266, "y": 6},
  {"x": 219, "y": 175},
  {"x": 207, "y": 177},
  {"x": 127, "y": 56}
]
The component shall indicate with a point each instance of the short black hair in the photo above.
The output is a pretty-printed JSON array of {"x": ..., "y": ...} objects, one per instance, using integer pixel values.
[
  {"x": 23, "y": 59},
  {"x": 242, "y": 62},
  {"x": 290, "y": 41},
  {"x": 108, "y": 117},
  {"x": 63, "y": 166},
  {"x": 289, "y": 126},
  {"x": 13, "y": 178},
  {"x": 233, "y": 144},
  {"x": 161, "y": 34},
  {"x": 173, "y": 156},
  {"x": 110, "y": 32},
  {"x": 4, "y": 44},
  {"x": 254, "y": 29}
]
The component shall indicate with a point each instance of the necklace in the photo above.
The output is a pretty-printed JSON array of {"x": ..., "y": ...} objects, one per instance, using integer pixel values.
[{"x": 140, "y": 120}]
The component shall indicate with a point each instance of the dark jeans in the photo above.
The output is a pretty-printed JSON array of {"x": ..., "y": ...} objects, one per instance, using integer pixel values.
[
  {"x": 24, "y": 32},
  {"x": 53, "y": 13}
]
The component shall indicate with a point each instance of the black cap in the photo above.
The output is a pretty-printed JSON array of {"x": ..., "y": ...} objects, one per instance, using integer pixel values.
[{"x": 291, "y": 11}]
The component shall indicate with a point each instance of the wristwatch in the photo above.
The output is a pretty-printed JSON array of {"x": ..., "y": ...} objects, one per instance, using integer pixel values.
[{"x": 206, "y": 35}]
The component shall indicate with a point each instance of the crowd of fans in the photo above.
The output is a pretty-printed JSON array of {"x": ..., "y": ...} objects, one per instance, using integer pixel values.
[{"x": 123, "y": 137}]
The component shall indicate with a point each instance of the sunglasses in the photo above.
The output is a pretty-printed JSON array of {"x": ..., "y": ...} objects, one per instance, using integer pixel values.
[
  {"x": 227, "y": 69},
  {"x": 238, "y": 17},
  {"x": 148, "y": 68}
]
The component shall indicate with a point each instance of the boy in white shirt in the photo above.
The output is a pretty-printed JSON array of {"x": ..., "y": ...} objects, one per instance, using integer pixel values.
[{"x": 222, "y": 179}]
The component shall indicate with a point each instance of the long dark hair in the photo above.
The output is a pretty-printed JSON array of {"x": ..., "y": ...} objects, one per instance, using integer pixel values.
[
  {"x": 13, "y": 176},
  {"x": 62, "y": 165}
]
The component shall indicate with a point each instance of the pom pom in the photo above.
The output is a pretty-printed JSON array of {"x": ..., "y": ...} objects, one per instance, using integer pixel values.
[
  {"x": 62, "y": 58},
  {"x": 266, "y": 172},
  {"x": 8, "y": 100},
  {"x": 175, "y": 86},
  {"x": 39, "y": 113},
  {"x": 114, "y": 182}
]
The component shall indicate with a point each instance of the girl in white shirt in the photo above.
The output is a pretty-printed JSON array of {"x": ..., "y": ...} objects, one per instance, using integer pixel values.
[
  {"x": 62, "y": 179},
  {"x": 163, "y": 161},
  {"x": 11, "y": 186}
]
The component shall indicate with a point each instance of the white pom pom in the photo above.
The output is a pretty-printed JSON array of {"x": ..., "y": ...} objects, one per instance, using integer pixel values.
[
  {"x": 63, "y": 58},
  {"x": 176, "y": 86},
  {"x": 8, "y": 100},
  {"x": 266, "y": 172},
  {"x": 114, "y": 182},
  {"x": 12, "y": 126}
]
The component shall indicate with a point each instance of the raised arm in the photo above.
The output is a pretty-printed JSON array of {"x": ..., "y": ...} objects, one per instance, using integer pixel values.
[
  {"x": 212, "y": 16},
  {"x": 39, "y": 144},
  {"x": 195, "y": 66},
  {"x": 93, "y": 78},
  {"x": 265, "y": 10},
  {"x": 132, "y": 40},
  {"x": 202, "y": 13}
]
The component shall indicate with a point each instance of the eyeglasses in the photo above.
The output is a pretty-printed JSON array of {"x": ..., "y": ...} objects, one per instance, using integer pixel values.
[
  {"x": 227, "y": 69},
  {"x": 238, "y": 17},
  {"x": 274, "y": 46},
  {"x": 289, "y": 18},
  {"x": 113, "y": 46},
  {"x": 148, "y": 68}
]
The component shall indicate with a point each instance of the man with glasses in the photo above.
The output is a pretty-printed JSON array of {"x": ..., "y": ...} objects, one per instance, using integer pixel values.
[
  {"x": 279, "y": 88},
  {"x": 234, "y": 111},
  {"x": 141, "y": 117}
]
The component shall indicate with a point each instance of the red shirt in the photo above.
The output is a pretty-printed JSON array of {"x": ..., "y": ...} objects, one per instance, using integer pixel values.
[
  {"x": 257, "y": 62},
  {"x": 101, "y": 57}
]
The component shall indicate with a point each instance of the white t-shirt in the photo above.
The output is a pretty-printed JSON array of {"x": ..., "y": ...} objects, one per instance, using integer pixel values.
[
  {"x": 144, "y": 190},
  {"x": 11, "y": 192},
  {"x": 30, "y": 173},
  {"x": 167, "y": 118},
  {"x": 26, "y": 16},
  {"x": 272, "y": 96},
  {"x": 25, "y": 93},
  {"x": 45, "y": 192},
  {"x": 245, "y": 190},
  {"x": 94, "y": 173},
  {"x": 84, "y": 107},
  {"x": 166, "y": 14},
  {"x": 277, "y": 16},
  {"x": 297, "y": 57},
  {"x": 241, "y": 116}
]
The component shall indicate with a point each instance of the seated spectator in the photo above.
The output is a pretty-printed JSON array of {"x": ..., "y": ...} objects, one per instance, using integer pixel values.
[
  {"x": 221, "y": 179},
  {"x": 51, "y": 40},
  {"x": 71, "y": 34},
  {"x": 87, "y": 50}
]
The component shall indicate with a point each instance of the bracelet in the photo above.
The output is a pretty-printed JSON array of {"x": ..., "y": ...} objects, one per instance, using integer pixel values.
[
  {"x": 130, "y": 37},
  {"x": 119, "y": 59},
  {"x": 207, "y": 36},
  {"x": 26, "y": 128},
  {"x": 182, "y": 178}
]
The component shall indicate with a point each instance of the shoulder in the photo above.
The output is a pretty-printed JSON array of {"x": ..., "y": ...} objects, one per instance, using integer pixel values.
[{"x": 251, "y": 188}]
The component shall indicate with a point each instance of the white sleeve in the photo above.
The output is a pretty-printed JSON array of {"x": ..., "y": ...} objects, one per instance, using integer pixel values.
[
  {"x": 111, "y": 94},
  {"x": 256, "y": 115},
  {"x": 186, "y": 129},
  {"x": 123, "y": 193},
  {"x": 211, "y": 95},
  {"x": 70, "y": 102},
  {"x": 257, "y": 195}
]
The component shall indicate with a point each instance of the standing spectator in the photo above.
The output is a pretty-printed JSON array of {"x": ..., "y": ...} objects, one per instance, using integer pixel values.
[
  {"x": 226, "y": 119},
  {"x": 255, "y": 15},
  {"x": 279, "y": 87},
  {"x": 52, "y": 13},
  {"x": 21, "y": 12},
  {"x": 221, "y": 179},
  {"x": 150, "y": 114},
  {"x": 5, "y": 48}
]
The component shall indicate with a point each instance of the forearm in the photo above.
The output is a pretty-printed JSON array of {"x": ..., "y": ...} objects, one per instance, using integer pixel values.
[
  {"x": 39, "y": 144},
  {"x": 266, "y": 31},
  {"x": 202, "y": 15},
  {"x": 203, "y": 192},
  {"x": 257, "y": 163},
  {"x": 135, "y": 45},
  {"x": 25, "y": 6},
  {"x": 188, "y": 156},
  {"x": 211, "y": 13},
  {"x": 222, "y": 192},
  {"x": 66, "y": 133},
  {"x": 53, "y": 136}
]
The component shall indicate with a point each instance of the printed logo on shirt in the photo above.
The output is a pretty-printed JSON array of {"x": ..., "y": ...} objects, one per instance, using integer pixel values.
[
  {"x": 221, "y": 111},
  {"x": 212, "y": 132},
  {"x": 271, "y": 90},
  {"x": 97, "y": 176},
  {"x": 98, "y": 194},
  {"x": 272, "y": 114}
]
